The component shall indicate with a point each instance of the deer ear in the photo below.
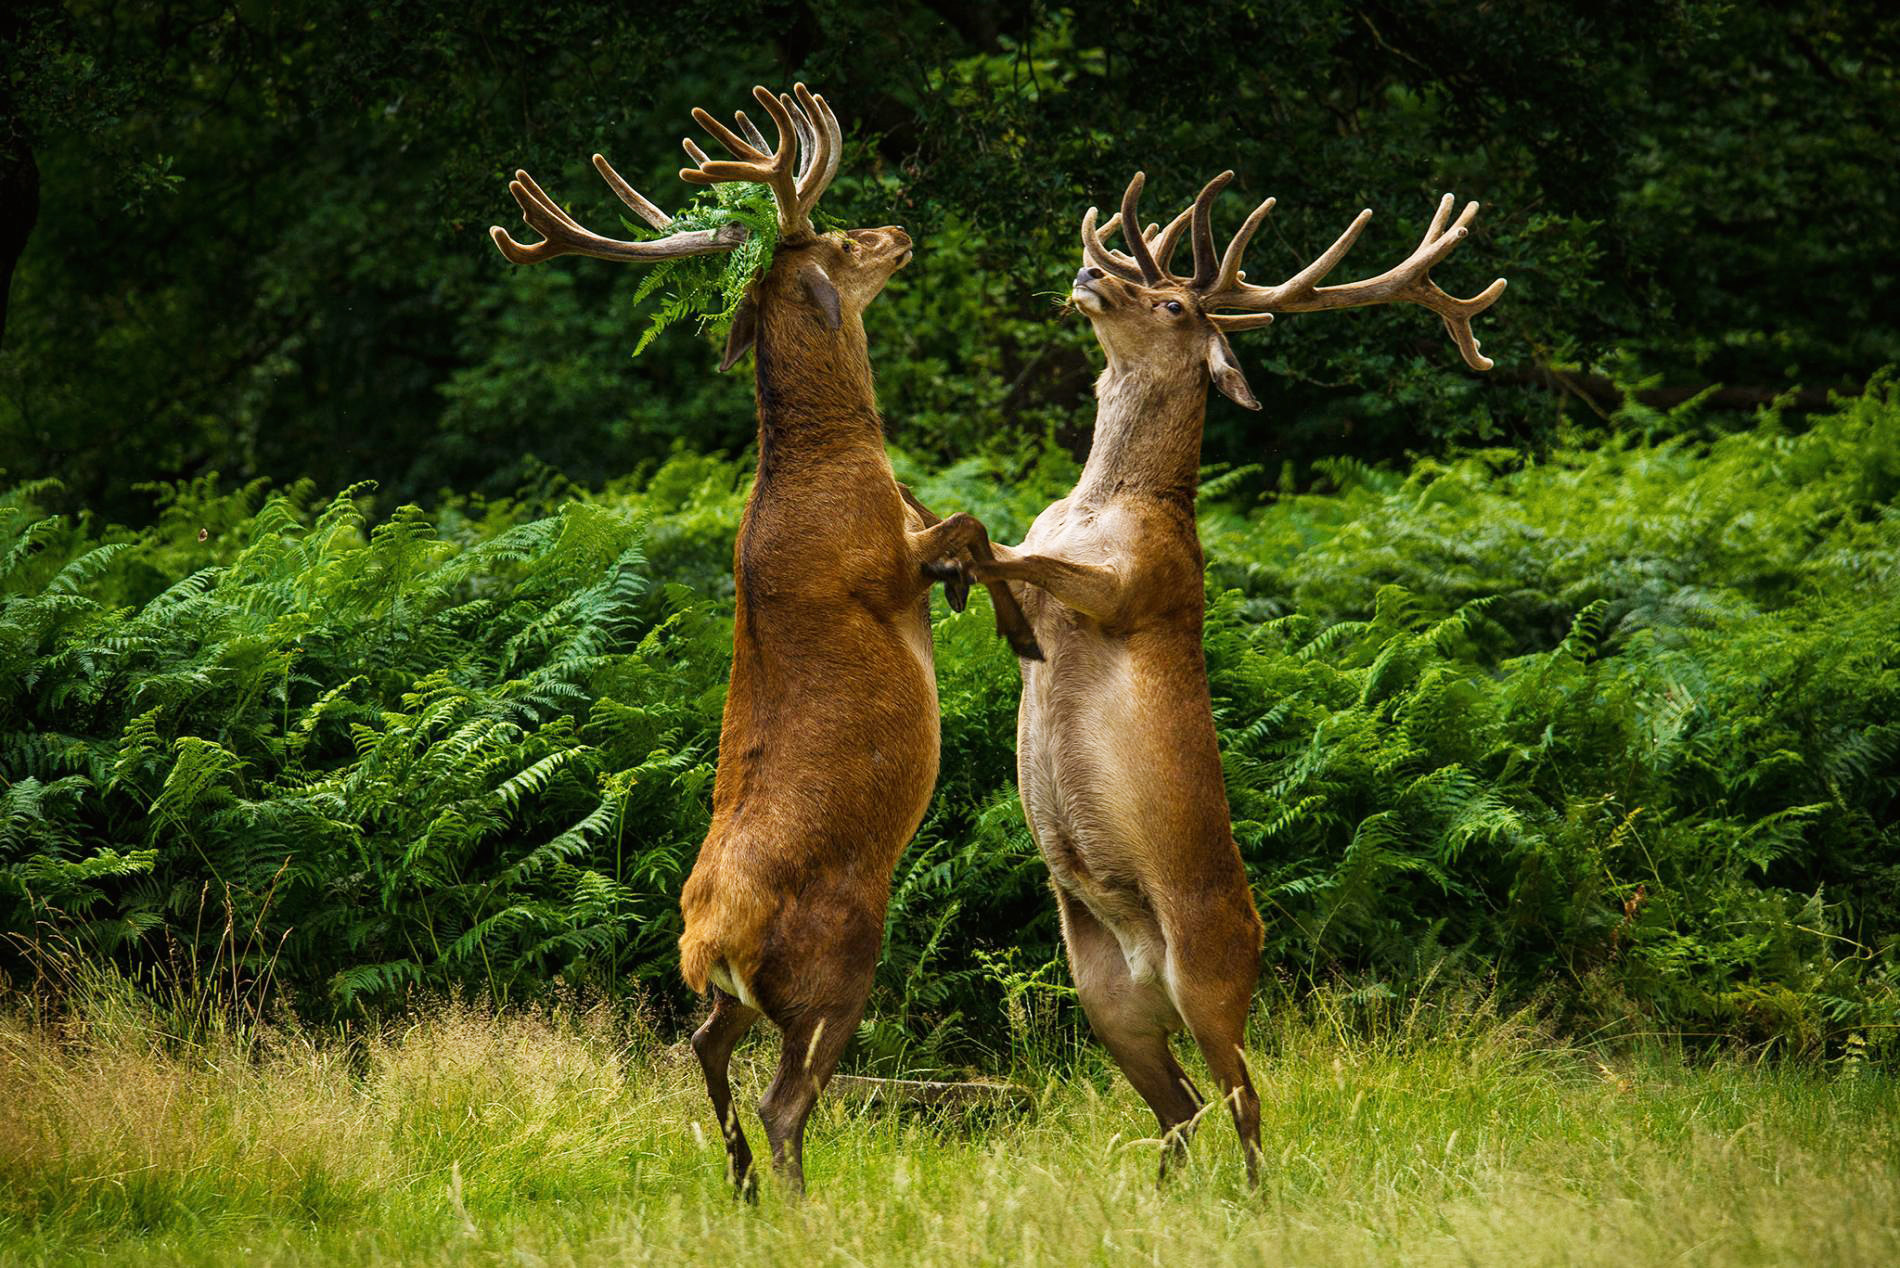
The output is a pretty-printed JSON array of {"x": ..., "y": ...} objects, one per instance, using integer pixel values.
[
  {"x": 744, "y": 333},
  {"x": 819, "y": 289},
  {"x": 1226, "y": 372}
]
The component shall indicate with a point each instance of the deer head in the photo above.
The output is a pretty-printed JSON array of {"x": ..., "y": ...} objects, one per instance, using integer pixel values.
[
  {"x": 1145, "y": 315},
  {"x": 830, "y": 278}
]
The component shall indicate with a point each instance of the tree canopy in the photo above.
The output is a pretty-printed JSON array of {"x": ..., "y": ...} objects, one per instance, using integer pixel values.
[{"x": 251, "y": 238}]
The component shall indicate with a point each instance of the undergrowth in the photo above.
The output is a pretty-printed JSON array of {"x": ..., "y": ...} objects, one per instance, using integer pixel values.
[{"x": 1614, "y": 729}]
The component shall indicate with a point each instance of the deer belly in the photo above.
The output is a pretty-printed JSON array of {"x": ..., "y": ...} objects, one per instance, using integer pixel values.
[
  {"x": 832, "y": 742},
  {"x": 1085, "y": 773}
]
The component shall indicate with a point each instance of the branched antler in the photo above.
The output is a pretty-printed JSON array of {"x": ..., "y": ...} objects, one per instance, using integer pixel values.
[
  {"x": 798, "y": 169},
  {"x": 1220, "y": 283},
  {"x": 563, "y": 235}
]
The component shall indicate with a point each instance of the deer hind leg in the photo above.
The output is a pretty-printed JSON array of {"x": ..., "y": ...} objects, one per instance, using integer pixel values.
[
  {"x": 813, "y": 1043},
  {"x": 712, "y": 1044},
  {"x": 1214, "y": 994},
  {"x": 1133, "y": 1020}
]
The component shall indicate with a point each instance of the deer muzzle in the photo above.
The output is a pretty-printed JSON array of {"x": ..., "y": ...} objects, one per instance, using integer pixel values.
[{"x": 1083, "y": 290}]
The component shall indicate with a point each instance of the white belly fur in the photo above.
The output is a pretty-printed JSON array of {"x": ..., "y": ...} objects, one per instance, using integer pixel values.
[{"x": 1081, "y": 784}]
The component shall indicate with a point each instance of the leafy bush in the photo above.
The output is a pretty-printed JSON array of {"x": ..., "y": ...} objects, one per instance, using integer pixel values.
[
  {"x": 408, "y": 758},
  {"x": 1615, "y": 728}
]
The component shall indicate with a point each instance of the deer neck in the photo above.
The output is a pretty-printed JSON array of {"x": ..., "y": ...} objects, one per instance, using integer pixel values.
[
  {"x": 814, "y": 387},
  {"x": 1147, "y": 434}
]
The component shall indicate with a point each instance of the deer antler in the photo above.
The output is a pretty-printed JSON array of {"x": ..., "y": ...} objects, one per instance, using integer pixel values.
[
  {"x": 798, "y": 169},
  {"x": 1408, "y": 282},
  {"x": 563, "y": 235},
  {"x": 1161, "y": 246},
  {"x": 1222, "y": 284}
]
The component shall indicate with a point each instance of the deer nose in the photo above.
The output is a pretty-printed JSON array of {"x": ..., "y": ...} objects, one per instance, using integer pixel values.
[{"x": 1086, "y": 274}]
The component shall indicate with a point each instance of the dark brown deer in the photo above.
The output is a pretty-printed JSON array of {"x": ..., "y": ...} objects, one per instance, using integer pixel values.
[
  {"x": 1117, "y": 762},
  {"x": 828, "y": 750}
]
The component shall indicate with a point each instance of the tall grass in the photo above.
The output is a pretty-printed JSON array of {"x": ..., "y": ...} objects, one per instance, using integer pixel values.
[{"x": 1443, "y": 1132}]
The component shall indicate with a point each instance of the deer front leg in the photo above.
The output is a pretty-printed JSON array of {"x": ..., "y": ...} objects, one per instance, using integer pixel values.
[
  {"x": 956, "y": 586},
  {"x": 944, "y": 543},
  {"x": 930, "y": 518},
  {"x": 1094, "y": 590}
]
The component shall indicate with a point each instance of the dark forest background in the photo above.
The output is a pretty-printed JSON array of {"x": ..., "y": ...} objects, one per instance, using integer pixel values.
[{"x": 250, "y": 238}]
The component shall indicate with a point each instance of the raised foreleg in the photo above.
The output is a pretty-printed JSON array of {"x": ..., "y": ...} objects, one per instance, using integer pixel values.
[
  {"x": 956, "y": 586},
  {"x": 961, "y": 536},
  {"x": 1097, "y": 591}
]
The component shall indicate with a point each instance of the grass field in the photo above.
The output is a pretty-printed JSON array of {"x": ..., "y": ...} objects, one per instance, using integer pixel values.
[{"x": 1444, "y": 1134}]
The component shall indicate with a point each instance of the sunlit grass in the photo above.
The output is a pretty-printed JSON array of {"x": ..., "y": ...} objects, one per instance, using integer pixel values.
[{"x": 1442, "y": 1135}]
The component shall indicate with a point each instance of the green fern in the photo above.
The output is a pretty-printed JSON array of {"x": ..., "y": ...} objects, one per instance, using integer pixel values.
[
  {"x": 1615, "y": 728},
  {"x": 708, "y": 289}
]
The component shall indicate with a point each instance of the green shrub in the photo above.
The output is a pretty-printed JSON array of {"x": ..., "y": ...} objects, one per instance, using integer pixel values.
[
  {"x": 400, "y": 758},
  {"x": 1614, "y": 729}
]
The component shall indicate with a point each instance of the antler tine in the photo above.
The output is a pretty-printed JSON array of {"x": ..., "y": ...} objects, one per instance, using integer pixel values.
[
  {"x": 1301, "y": 284},
  {"x": 1205, "y": 265},
  {"x": 1164, "y": 246},
  {"x": 837, "y": 140},
  {"x": 736, "y": 145},
  {"x": 563, "y": 235},
  {"x": 629, "y": 195},
  {"x": 830, "y": 146},
  {"x": 807, "y": 137},
  {"x": 1099, "y": 255},
  {"x": 751, "y": 132},
  {"x": 1131, "y": 231},
  {"x": 1457, "y": 314},
  {"x": 1229, "y": 275},
  {"x": 752, "y": 163},
  {"x": 1157, "y": 244}
]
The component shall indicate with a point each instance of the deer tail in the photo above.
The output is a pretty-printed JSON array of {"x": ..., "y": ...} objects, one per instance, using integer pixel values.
[
  {"x": 724, "y": 939},
  {"x": 698, "y": 954}
]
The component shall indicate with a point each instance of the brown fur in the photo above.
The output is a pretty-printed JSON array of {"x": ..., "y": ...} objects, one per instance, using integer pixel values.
[
  {"x": 1117, "y": 761},
  {"x": 828, "y": 749}
]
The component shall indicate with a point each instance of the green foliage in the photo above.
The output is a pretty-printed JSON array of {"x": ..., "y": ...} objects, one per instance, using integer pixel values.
[
  {"x": 710, "y": 288},
  {"x": 1681, "y": 194},
  {"x": 1670, "y": 534},
  {"x": 407, "y": 757},
  {"x": 1614, "y": 728}
]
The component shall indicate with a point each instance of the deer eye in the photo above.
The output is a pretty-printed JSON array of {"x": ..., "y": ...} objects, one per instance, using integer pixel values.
[
  {"x": 849, "y": 246},
  {"x": 1174, "y": 306}
]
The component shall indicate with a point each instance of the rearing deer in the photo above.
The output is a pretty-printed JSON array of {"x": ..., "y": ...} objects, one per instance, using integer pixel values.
[
  {"x": 1117, "y": 762},
  {"x": 828, "y": 749}
]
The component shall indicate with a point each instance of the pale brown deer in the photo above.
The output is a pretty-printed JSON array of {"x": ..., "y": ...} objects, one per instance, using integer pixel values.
[
  {"x": 828, "y": 750},
  {"x": 1117, "y": 761}
]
